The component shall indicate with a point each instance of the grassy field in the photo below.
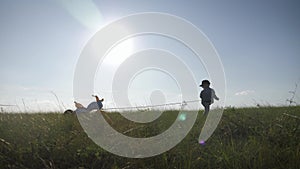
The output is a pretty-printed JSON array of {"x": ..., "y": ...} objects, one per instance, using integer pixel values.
[{"x": 246, "y": 138}]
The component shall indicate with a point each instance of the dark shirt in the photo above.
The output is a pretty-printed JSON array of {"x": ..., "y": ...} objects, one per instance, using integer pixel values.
[
  {"x": 208, "y": 95},
  {"x": 100, "y": 105}
]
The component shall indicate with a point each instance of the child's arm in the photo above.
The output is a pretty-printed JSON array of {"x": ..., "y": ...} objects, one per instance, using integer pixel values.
[
  {"x": 97, "y": 98},
  {"x": 215, "y": 96}
]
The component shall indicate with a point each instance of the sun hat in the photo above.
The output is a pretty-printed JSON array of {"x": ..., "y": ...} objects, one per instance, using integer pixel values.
[{"x": 204, "y": 82}]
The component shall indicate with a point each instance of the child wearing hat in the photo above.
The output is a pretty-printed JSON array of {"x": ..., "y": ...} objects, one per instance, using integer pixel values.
[{"x": 207, "y": 96}]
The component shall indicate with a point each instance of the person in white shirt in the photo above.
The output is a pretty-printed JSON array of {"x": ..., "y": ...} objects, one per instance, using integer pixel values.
[
  {"x": 98, "y": 105},
  {"x": 92, "y": 106},
  {"x": 207, "y": 96}
]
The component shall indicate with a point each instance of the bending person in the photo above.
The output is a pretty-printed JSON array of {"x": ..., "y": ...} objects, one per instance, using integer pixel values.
[{"x": 92, "y": 106}]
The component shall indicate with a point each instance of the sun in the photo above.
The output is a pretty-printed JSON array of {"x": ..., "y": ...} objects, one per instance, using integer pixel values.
[{"x": 119, "y": 53}]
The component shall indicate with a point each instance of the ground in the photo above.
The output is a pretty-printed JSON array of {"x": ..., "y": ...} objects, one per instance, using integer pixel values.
[{"x": 264, "y": 137}]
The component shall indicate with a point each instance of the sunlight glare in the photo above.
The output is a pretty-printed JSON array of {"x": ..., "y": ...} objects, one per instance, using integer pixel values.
[
  {"x": 119, "y": 53},
  {"x": 85, "y": 12}
]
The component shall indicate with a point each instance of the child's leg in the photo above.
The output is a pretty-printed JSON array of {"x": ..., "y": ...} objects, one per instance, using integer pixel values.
[
  {"x": 206, "y": 108},
  {"x": 78, "y": 105},
  {"x": 106, "y": 117}
]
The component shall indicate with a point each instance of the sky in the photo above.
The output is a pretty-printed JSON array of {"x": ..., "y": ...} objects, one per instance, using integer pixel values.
[{"x": 41, "y": 41}]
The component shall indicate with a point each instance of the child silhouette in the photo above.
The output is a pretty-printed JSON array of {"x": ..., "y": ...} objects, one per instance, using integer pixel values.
[{"x": 207, "y": 96}]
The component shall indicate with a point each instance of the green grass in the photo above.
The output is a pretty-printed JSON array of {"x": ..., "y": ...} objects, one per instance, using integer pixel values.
[{"x": 254, "y": 138}]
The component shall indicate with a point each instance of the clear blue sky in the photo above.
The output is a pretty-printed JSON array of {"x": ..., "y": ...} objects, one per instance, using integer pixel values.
[{"x": 258, "y": 43}]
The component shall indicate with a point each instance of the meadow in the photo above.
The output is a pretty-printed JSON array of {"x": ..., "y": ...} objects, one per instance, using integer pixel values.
[{"x": 246, "y": 138}]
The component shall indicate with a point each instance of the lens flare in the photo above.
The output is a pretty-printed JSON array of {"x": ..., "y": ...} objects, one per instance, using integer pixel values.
[
  {"x": 202, "y": 142},
  {"x": 182, "y": 117},
  {"x": 85, "y": 12}
]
